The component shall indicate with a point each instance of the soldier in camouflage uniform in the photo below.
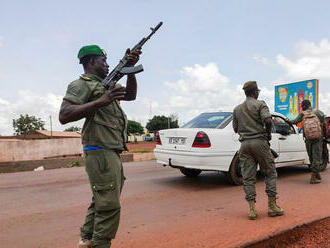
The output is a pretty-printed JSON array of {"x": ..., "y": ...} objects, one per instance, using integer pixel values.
[
  {"x": 103, "y": 137},
  {"x": 252, "y": 121},
  {"x": 314, "y": 147}
]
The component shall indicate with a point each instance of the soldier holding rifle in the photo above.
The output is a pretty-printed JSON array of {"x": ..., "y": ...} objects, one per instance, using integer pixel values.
[
  {"x": 95, "y": 96},
  {"x": 103, "y": 138}
]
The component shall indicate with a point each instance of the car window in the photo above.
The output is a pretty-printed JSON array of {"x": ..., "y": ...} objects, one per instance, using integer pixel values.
[
  {"x": 279, "y": 124},
  {"x": 209, "y": 120}
]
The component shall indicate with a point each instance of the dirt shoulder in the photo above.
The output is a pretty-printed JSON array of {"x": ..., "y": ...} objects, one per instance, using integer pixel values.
[
  {"x": 313, "y": 235},
  {"x": 141, "y": 151}
]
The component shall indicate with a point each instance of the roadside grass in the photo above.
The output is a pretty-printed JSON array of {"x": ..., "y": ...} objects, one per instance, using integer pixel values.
[
  {"x": 75, "y": 163},
  {"x": 140, "y": 151}
]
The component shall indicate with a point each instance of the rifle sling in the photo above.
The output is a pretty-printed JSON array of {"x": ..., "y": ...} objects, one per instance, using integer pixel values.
[{"x": 246, "y": 110}]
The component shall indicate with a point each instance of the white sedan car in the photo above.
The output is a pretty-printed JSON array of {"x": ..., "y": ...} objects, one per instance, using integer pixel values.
[{"x": 208, "y": 143}]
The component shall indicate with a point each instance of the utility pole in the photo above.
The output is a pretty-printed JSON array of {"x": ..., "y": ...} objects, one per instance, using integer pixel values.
[{"x": 150, "y": 111}]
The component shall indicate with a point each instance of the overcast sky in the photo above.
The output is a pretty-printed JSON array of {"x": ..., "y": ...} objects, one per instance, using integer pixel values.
[{"x": 196, "y": 62}]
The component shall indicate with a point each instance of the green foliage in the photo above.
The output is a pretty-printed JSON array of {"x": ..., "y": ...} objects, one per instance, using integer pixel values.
[
  {"x": 26, "y": 123},
  {"x": 73, "y": 129},
  {"x": 134, "y": 127},
  {"x": 141, "y": 151},
  {"x": 73, "y": 164},
  {"x": 161, "y": 122}
]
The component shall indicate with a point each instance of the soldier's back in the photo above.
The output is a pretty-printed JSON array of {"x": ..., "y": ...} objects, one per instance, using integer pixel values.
[{"x": 250, "y": 116}]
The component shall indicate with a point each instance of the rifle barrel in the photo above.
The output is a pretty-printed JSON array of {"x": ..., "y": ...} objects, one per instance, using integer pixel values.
[{"x": 115, "y": 73}]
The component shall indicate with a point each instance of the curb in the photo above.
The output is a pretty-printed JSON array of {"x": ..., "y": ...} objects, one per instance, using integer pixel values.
[{"x": 55, "y": 163}]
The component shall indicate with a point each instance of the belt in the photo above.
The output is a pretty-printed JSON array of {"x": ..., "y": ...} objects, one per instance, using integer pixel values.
[{"x": 90, "y": 148}]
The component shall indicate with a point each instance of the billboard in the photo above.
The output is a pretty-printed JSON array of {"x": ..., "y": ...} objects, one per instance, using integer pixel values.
[{"x": 288, "y": 97}]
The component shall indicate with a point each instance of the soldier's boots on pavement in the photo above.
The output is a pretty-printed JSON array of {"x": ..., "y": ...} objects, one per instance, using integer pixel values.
[
  {"x": 273, "y": 208},
  {"x": 252, "y": 211},
  {"x": 315, "y": 178},
  {"x": 83, "y": 243}
]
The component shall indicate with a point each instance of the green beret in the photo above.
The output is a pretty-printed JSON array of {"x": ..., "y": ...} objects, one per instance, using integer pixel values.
[
  {"x": 91, "y": 49},
  {"x": 249, "y": 85}
]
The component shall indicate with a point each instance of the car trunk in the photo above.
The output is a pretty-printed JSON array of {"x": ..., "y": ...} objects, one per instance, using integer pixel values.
[{"x": 178, "y": 139}]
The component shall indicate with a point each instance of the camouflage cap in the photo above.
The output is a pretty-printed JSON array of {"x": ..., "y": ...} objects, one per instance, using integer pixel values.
[
  {"x": 91, "y": 49},
  {"x": 249, "y": 85}
]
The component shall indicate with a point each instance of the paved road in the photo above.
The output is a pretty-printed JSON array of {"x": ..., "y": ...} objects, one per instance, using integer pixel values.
[{"x": 160, "y": 208}]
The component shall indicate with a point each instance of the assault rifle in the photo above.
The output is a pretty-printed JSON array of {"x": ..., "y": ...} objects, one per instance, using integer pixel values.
[{"x": 122, "y": 69}]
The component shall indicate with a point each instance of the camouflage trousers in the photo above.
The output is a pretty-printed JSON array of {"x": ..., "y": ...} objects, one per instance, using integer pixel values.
[
  {"x": 253, "y": 152},
  {"x": 314, "y": 151},
  {"x": 106, "y": 177}
]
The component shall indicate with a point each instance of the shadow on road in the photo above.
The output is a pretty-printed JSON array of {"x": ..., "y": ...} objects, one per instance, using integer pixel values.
[
  {"x": 288, "y": 171},
  {"x": 206, "y": 180},
  {"x": 209, "y": 180}
]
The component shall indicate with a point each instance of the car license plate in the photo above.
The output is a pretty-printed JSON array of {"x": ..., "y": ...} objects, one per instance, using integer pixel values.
[{"x": 177, "y": 140}]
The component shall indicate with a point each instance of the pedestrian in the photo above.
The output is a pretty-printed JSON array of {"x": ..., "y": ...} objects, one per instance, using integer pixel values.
[
  {"x": 103, "y": 137},
  {"x": 314, "y": 130},
  {"x": 252, "y": 121}
]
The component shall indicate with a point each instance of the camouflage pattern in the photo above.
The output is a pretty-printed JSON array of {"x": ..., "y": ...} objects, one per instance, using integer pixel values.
[
  {"x": 246, "y": 126},
  {"x": 314, "y": 150},
  {"x": 254, "y": 147},
  {"x": 317, "y": 112},
  {"x": 253, "y": 152},
  {"x": 314, "y": 147}
]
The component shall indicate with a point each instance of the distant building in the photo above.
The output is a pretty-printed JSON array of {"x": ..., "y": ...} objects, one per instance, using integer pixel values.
[
  {"x": 40, "y": 144},
  {"x": 44, "y": 134},
  {"x": 141, "y": 137}
]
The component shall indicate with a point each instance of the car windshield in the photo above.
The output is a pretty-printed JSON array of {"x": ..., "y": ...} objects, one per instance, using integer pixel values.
[{"x": 208, "y": 120}]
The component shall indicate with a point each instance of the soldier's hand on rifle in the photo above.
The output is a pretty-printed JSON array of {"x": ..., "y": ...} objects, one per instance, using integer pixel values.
[
  {"x": 116, "y": 93},
  {"x": 132, "y": 57}
]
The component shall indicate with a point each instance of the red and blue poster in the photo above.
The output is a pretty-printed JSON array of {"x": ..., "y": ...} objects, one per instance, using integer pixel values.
[{"x": 288, "y": 97}]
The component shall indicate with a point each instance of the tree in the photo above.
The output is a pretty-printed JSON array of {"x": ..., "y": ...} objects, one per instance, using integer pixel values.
[
  {"x": 161, "y": 122},
  {"x": 26, "y": 123},
  {"x": 134, "y": 127},
  {"x": 73, "y": 129}
]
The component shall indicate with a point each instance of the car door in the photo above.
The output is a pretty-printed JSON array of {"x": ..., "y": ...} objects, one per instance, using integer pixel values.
[{"x": 290, "y": 142}]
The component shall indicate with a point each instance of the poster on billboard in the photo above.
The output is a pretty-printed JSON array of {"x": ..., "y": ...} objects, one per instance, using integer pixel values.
[{"x": 288, "y": 97}]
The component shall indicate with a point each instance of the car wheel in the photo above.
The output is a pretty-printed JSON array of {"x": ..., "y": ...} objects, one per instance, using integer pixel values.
[
  {"x": 190, "y": 172},
  {"x": 325, "y": 157},
  {"x": 234, "y": 174}
]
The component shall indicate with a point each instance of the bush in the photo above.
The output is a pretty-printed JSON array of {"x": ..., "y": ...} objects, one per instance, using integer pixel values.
[{"x": 75, "y": 163}]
